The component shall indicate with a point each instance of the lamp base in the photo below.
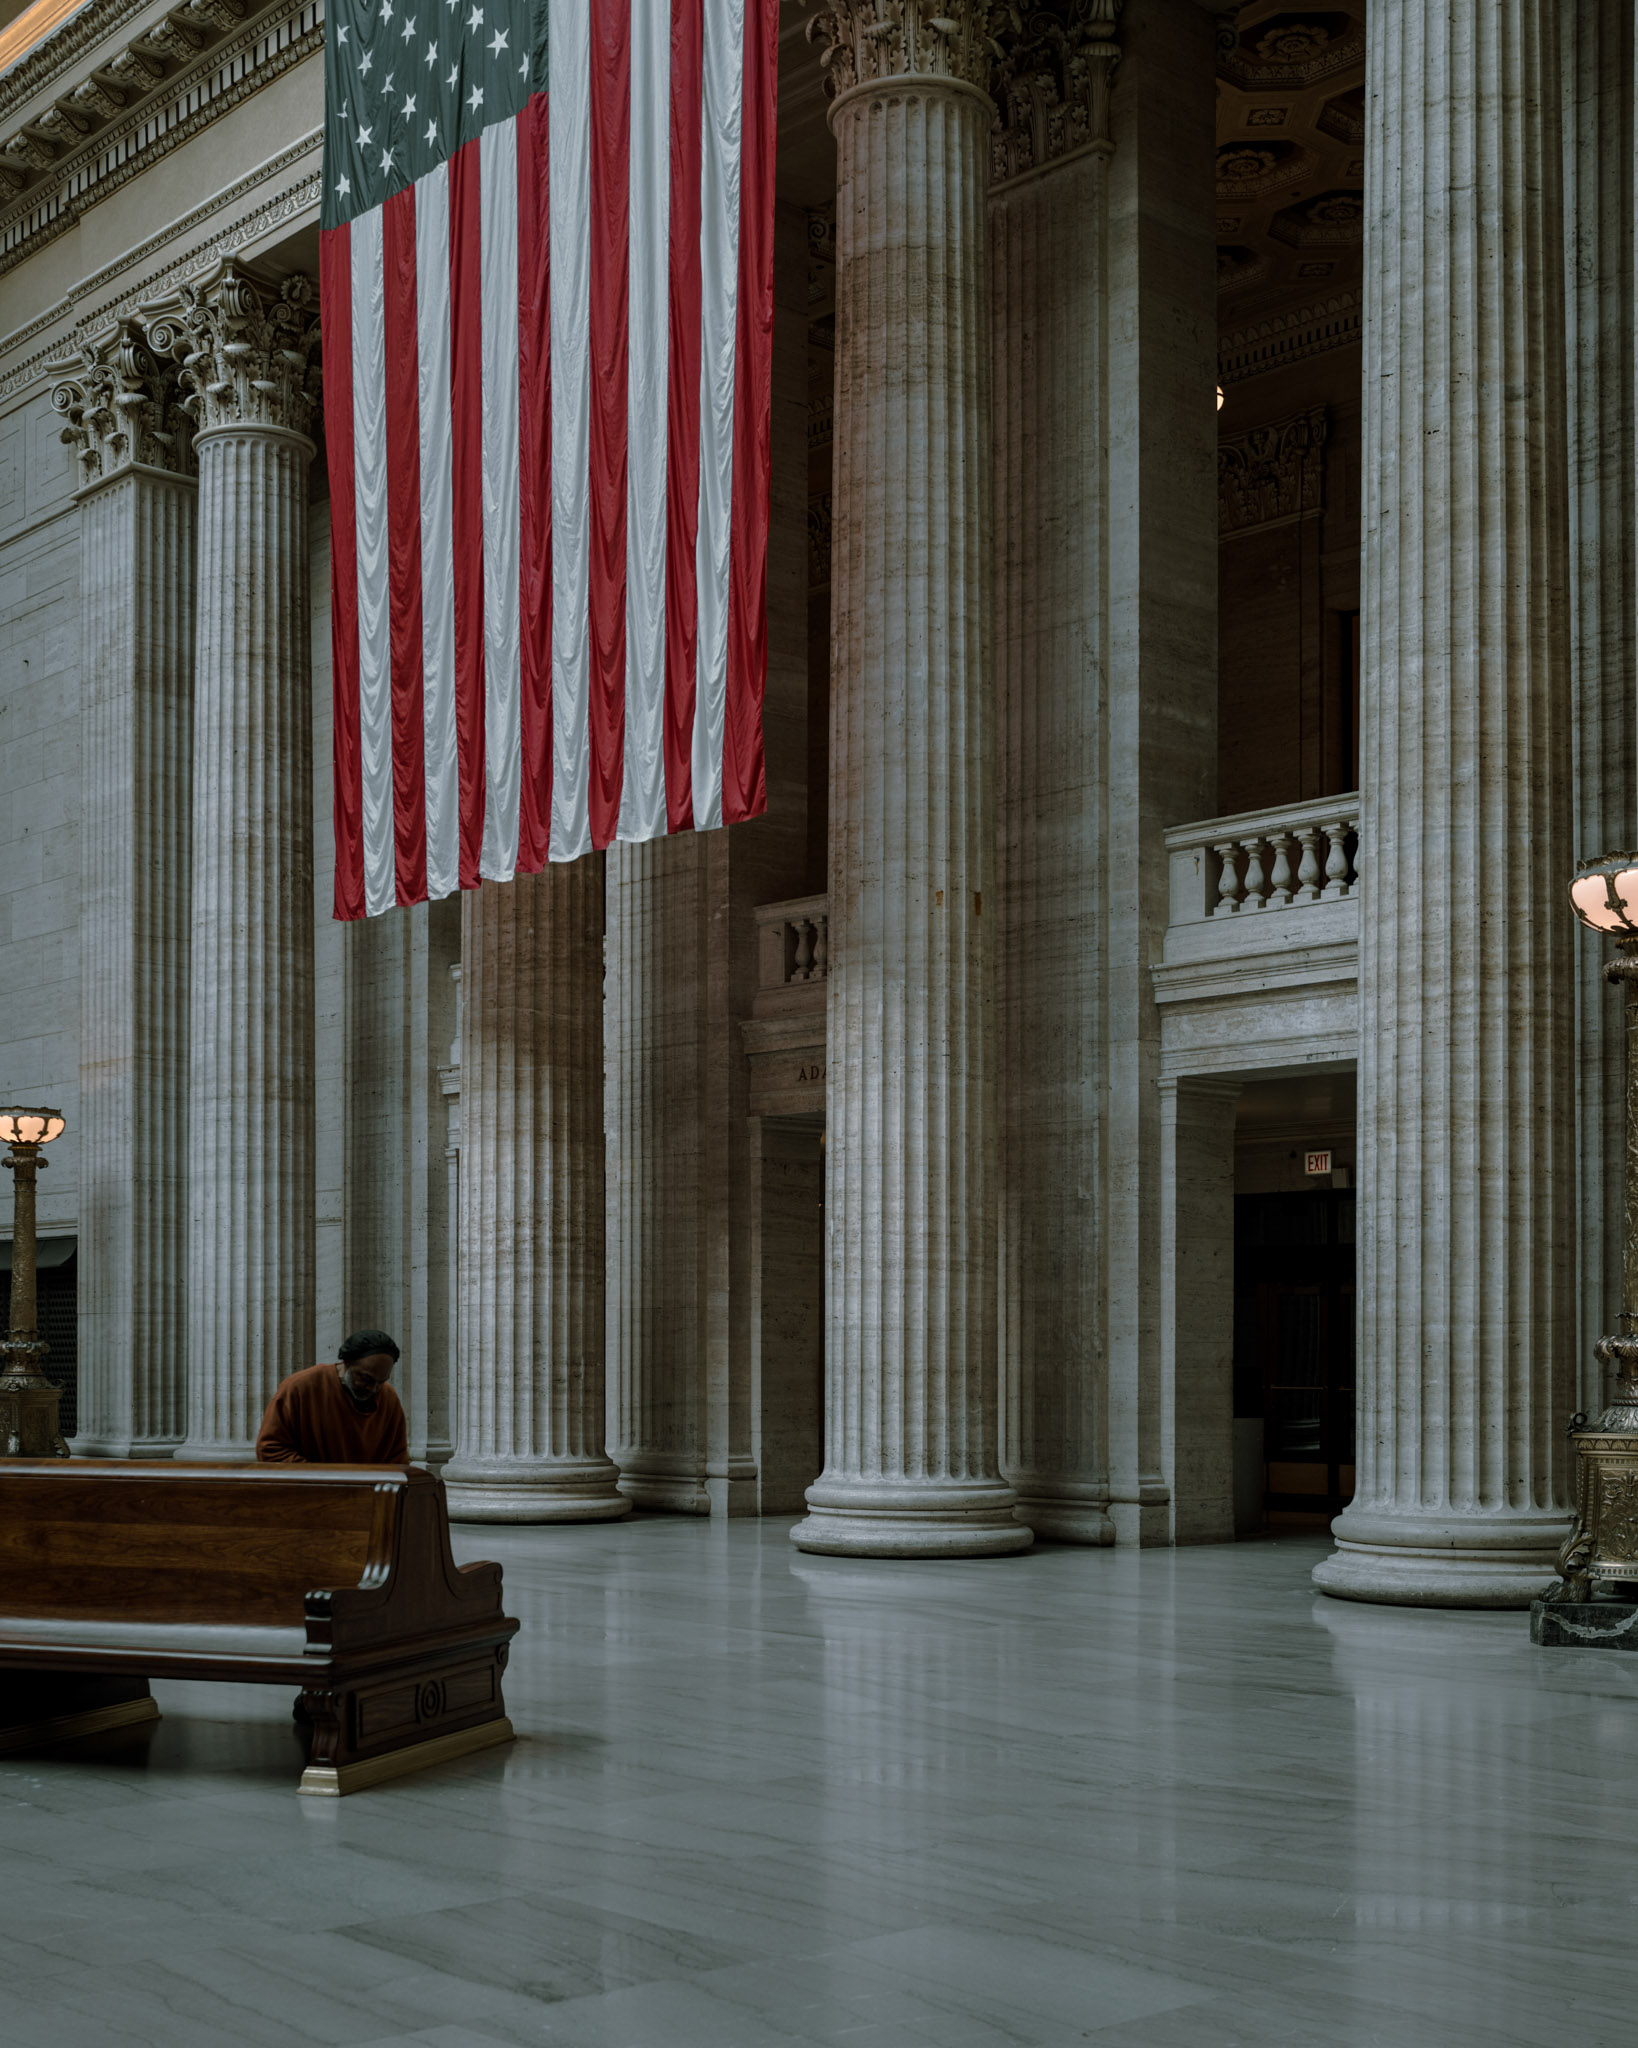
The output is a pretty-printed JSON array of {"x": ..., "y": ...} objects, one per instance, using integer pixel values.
[
  {"x": 1584, "y": 1624},
  {"x": 29, "y": 1426}
]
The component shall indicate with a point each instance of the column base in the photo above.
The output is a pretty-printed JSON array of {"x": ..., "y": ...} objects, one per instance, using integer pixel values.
[
  {"x": 206, "y": 1453},
  {"x": 533, "y": 1490},
  {"x": 1065, "y": 1512},
  {"x": 662, "y": 1482},
  {"x": 1432, "y": 1560},
  {"x": 941, "y": 1518}
]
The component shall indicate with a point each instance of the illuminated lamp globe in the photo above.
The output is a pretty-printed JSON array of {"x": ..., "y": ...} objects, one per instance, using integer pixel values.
[
  {"x": 1604, "y": 894},
  {"x": 1219, "y": 398},
  {"x": 30, "y": 1126}
]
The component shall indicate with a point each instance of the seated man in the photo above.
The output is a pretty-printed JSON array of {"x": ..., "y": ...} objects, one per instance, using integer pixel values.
[{"x": 341, "y": 1414}]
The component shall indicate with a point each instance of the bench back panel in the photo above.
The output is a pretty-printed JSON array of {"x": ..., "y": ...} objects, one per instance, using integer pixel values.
[{"x": 110, "y": 1541}]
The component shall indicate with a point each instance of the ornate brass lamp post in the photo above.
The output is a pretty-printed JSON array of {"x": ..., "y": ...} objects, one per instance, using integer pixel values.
[{"x": 28, "y": 1400}]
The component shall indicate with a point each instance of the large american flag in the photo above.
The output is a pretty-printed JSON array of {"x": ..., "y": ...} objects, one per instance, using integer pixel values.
[{"x": 547, "y": 289}]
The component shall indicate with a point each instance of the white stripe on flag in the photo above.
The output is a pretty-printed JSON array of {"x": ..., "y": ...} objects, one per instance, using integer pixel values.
[
  {"x": 443, "y": 797},
  {"x": 642, "y": 796},
  {"x": 370, "y": 520},
  {"x": 723, "y": 70},
  {"x": 502, "y": 601},
  {"x": 569, "y": 175}
]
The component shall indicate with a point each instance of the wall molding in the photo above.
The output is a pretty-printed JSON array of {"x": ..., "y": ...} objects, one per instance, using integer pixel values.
[
  {"x": 1308, "y": 331},
  {"x": 65, "y": 325},
  {"x": 249, "y": 56}
]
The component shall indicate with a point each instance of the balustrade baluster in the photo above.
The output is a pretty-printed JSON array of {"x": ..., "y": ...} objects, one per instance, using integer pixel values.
[
  {"x": 1336, "y": 859},
  {"x": 1228, "y": 878},
  {"x": 804, "y": 950},
  {"x": 1308, "y": 868},
  {"x": 1280, "y": 894},
  {"x": 1256, "y": 878},
  {"x": 821, "y": 948}
]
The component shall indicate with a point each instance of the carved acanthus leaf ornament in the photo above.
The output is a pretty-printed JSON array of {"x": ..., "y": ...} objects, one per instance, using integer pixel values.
[
  {"x": 1273, "y": 472},
  {"x": 868, "y": 42},
  {"x": 249, "y": 351},
  {"x": 1051, "y": 87},
  {"x": 121, "y": 407}
]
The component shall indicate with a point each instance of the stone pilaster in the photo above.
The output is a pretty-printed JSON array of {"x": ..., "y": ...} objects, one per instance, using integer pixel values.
[
  {"x": 398, "y": 1017},
  {"x": 249, "y": 356},
  {"x": 682, "y": 967},
  {"x": 1466, "y": 1068},
  {"x": 1597, "y": 67},
  {"x": 529, "y": 1402},
  {"x": 660, "y": 942},
  {"x": 911, "y": 1431},
  {"x": 1048, "y": 225},
  {"x": 137, "y": 498}
]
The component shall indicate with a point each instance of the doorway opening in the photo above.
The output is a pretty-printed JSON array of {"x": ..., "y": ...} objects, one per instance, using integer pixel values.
[{"x": 1294, "y": 1302}]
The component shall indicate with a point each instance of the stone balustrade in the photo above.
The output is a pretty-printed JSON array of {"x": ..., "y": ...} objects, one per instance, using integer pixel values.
[
  {"x": 792, "y": 945},
  {"x": 1279, "y": 859},
  {"x": 785, "y": 1033}
]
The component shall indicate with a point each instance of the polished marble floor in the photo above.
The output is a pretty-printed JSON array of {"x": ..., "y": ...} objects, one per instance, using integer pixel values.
[{"x": 1168, "y": 1800}]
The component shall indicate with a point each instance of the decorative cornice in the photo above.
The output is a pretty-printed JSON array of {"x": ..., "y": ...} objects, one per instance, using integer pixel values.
[
  {"x": 140, "y": 114},
  {"x": 63, "y": 48},
  {"x": 122, "y": 408},
  {"x": 1273, "y": 473},
  {"x": 1052, "y": 89},
  {"x": 249, "y": 351},
  {"x": 869, "y": 42},
  {"x": 295, "y": 200},
  {"x": 1307, "y": 331}
]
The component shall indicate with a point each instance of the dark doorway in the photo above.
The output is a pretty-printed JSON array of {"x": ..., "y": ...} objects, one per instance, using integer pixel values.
[{"x": 1294, "y": 1345}]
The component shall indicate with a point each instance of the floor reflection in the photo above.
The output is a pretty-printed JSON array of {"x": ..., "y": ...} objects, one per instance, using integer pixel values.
[{"x": 1154, "y": 1800}]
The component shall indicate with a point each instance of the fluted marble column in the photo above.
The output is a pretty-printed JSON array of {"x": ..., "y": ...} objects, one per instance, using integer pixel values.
[
  {"x": 529, "y": 1398},
  {"x": 1466, "y": 1076},
  {"x": 1048, "y": 224},
  {"x": 137, "y": 500},
  {"x": 1597, "y": 64},
  {"x": 249, "y": 353},
  {"x": 911, "y": 1451}
]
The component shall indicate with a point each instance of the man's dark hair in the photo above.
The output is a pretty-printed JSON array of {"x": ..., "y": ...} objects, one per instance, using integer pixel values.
[{"x": 365, "y": 1343}]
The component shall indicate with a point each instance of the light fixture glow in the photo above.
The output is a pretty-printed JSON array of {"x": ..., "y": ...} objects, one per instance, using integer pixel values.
[{"x": 1604, "y": 894}]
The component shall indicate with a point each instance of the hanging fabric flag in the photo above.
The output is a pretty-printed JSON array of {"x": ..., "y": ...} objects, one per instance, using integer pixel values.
[{"x": 547, "y": 296}]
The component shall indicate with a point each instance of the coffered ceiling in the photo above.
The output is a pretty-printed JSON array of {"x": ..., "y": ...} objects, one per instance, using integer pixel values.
[{"x": 1290, "y": 158}]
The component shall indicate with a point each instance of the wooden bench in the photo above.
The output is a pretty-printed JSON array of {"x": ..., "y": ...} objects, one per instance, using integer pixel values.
[{"x": 338, "y": 1579}]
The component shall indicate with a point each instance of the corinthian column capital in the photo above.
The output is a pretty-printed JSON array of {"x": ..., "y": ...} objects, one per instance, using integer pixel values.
[
  {"x": 872, "y": 42},
  {"x": 248, "y": 350},
  {"x": 1051, "y": 87},
  {"x": 121, "y": 407}
]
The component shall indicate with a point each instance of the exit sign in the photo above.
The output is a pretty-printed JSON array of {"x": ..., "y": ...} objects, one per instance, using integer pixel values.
[{"x": 1318, "y": 1162}]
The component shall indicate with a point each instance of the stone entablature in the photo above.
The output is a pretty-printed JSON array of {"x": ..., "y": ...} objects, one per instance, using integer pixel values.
[{"x": 148, "y": 94}]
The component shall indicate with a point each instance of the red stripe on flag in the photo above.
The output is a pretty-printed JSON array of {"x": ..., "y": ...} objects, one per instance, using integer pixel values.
[
  {"x": 347, "y": 802},
  {"x": 610, "y": 349},
  {"x": 466, "y": 437},
  {"x": 744, "y": 777},
  {"x": 682, "y": 483},
  {"x": 409, "y": 766},
  {"x": 535, "y": 482}
]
